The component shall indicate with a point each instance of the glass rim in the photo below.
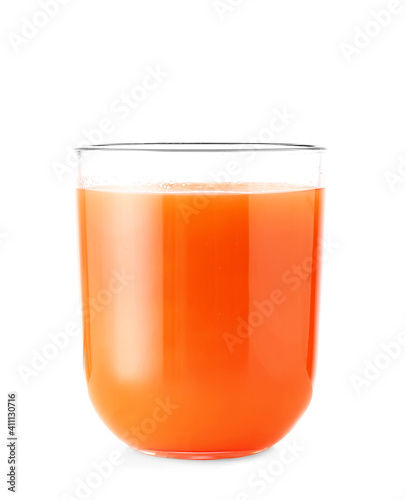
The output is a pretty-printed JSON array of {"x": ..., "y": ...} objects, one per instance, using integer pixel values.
[{"x": 199, "y": 147}]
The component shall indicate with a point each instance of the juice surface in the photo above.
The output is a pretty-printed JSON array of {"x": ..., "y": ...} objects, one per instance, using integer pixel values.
[{"x": 200, "y": 311}]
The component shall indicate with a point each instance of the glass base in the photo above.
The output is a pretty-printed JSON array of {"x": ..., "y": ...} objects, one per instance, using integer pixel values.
[{"x": 201, "y": 455}]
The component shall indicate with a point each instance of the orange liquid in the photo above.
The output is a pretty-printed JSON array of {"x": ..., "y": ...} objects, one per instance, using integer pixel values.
[{"x": 200, "y": 313}]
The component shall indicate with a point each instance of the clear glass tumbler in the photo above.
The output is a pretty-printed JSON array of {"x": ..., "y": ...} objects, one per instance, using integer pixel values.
[{"x": 200, "y": 281}]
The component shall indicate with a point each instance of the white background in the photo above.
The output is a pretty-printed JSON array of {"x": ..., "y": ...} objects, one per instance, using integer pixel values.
[{"x": 225, "y": 76}]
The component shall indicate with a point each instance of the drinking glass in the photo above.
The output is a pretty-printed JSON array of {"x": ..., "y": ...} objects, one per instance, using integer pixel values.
[{"x": 200, "y": 268}]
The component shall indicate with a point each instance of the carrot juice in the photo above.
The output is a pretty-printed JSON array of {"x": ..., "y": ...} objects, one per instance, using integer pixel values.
[{"x": 200, "y": 312}]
